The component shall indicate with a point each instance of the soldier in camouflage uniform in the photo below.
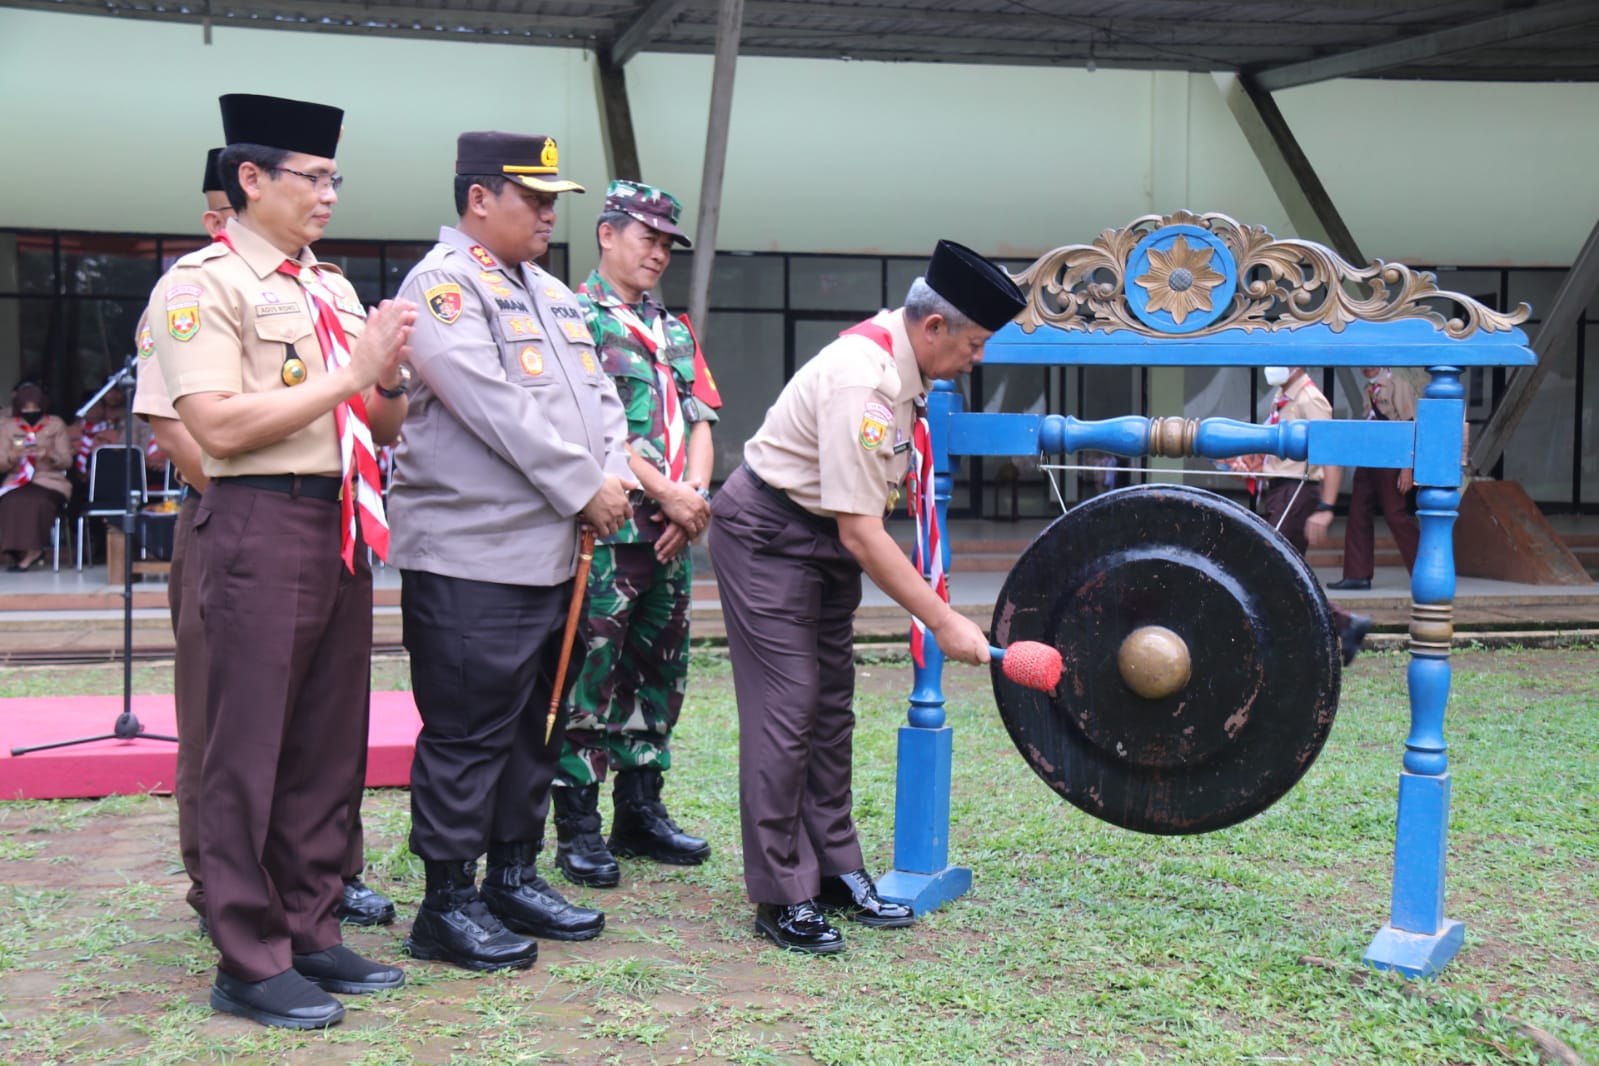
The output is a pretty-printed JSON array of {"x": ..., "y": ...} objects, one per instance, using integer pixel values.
[{"x": 630, "y": 690}]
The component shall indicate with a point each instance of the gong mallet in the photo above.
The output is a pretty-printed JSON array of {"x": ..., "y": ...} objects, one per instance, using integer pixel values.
[
  {"x": 585, "y": 557},
  {"x": 1030, "y": 664}
]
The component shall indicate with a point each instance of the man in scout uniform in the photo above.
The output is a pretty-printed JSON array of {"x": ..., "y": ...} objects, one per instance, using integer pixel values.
[
  {"x": 791, "y": 532},
  {"x": 1299, "y": 499},
  {"x": 515, "y": 435},
  {"x": 286, "y": 383},
  {"x": 358, "y": 904},
  {"x": 1388, "y": 399},
  {"x": 630, "y": 692}
]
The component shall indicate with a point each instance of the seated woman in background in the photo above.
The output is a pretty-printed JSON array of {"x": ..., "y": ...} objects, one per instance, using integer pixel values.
[{"x": 35, "y": 453}]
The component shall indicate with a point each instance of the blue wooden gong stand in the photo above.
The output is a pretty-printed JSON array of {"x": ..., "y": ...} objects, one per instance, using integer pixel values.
[{"x": 1203, "y": 290}]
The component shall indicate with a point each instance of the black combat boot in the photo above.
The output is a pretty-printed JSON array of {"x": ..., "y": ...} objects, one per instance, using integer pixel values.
[
  {"x": 580, "y": 852},
  {"x": 454, "y": 925},
  {"x": 525, "y": 902},
  {"x": 643, "y": 828}
]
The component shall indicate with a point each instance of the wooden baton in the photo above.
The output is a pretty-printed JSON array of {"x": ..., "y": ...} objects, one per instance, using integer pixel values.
[{"x": 585, "y": 557}]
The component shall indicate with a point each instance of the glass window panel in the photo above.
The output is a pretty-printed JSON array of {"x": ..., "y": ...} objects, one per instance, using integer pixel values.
[
  {"x": 836, "y": 283},
  {"x": 102, "y": 264},
  {"x": 1540, "y": 451},
  {"x": 1481, "y": 285},
  {"x": 1536, "y": 287},
  {"x": 556, "y": 262},
  {"x": 811, "y": 335},
  {"x": 745, "y": 352},
  {"x": 101, "y": 332},
  {"x": 175, "y": 248},
  {"x": 360, "y": 263},
  {"x": 399, "y": 259},
  {"x": 901, "y": 272},
  {"x": 742, "y": 280},
  {"x": 35, "y": 264},
  {"x": 1016, "y": 486}
]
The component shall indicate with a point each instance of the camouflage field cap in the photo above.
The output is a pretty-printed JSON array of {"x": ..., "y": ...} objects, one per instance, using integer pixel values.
[{"x": 656, "y": 208}]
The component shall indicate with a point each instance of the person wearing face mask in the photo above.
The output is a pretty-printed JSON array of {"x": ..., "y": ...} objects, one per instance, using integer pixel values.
[
  {"x": 1389, "y": 398},
  {"x": 1296, "y": 498},
  {"x": 35, "y": 453}
]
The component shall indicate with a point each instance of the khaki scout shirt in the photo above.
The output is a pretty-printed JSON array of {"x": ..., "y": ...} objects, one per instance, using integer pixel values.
[
  {"x": 512, "y": 426},
  {"x": 150, "y": 397},
  {"x": 223, "y": 322},
  {"x": 837, "y": 439},
  {"x": 51, "y": 451},
  {"x": 1305, "y": 401},
  {"x": 1393, "y": 398}
]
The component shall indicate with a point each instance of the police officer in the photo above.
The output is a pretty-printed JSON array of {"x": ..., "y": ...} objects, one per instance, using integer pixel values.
[
  {"x": 630, "y": 692},
  {"x": 791, "y": 532},
  {"x": 1388, "y": 399},
  {"x": 358, "y": 904},
  {"x": 515, "y": 435},
  {"x": 1299, "y": 499},
  {"x": 285, "y": 382}
]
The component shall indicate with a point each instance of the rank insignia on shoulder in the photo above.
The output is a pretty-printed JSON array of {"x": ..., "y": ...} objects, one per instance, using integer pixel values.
[
  {"x": 532, "y": 361},
  {"x": 146, "y": 343},
  {"x": 183, "y": 322},
  {"x": 444, "y": 302},
  {"x": 875, "y": 420},
  {"x": 481, "y": 254}
]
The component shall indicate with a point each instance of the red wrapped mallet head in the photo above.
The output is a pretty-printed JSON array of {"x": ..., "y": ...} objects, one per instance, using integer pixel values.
[{"x": 1030, "y": 664}]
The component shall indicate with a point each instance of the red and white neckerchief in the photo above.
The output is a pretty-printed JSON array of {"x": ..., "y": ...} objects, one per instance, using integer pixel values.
[
  {"x": 920, "y": 497},
  {"x": 24, "y": 473},
  {"x": 86, "y": 445},
  {"x": 362, "y": 498},
  {"x": 653, "y": 337},
  {"x": 1277, "y": 405},
  {"x": 1371, "y": 399}
]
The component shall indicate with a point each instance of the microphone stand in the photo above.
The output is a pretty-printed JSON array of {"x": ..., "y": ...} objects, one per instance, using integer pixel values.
[{"x": 127, "y": 726}]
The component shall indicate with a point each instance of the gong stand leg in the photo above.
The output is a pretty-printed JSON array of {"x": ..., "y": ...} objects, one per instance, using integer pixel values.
[
  {"x": 922, "y": 877},
  {"x": 1418, "y": 940}
]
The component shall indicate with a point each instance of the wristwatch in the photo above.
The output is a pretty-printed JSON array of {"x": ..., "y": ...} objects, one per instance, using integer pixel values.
[
  {"x": 398, "y": 390},
  {"x": 1323, "y": 505},
  {"x": 705, "y": 494}
]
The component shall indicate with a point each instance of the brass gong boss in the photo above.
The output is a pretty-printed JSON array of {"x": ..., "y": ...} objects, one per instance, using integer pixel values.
[{"x": 1154, "y": 662}]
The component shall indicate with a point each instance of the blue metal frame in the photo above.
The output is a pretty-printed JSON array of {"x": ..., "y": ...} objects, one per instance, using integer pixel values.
[{"x": 1418, "y": 939}]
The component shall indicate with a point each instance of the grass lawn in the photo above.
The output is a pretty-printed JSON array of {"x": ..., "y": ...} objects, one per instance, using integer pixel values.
[{"x": 1079, "y": 942}]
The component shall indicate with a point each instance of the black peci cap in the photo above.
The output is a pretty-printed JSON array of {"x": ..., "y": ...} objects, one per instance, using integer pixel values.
[
  {"x": 274, "y": 122},
  {"x": 532, "y": 161},
  {"x": 979, "y": 290},
  {"x": 212, "y": 182}
]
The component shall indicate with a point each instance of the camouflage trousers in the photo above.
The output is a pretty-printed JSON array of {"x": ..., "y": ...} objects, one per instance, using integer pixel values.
[{"x": 630, "y": 691}]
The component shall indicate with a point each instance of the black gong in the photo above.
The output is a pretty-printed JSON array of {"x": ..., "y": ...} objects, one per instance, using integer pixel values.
[{"x": 1201, "y": 662}]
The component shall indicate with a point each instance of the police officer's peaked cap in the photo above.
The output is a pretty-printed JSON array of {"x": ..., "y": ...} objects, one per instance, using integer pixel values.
[
  {"x": 979, "y": 290},
  {"x": 532, "y": 161},
  {"x": 272, "y": 121},
  {"x": 212, "y": 182}
]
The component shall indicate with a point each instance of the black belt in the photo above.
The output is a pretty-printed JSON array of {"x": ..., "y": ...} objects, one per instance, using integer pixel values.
[
  {"x": 783, "y": 499},
  {"x": 315, "y": 486}
]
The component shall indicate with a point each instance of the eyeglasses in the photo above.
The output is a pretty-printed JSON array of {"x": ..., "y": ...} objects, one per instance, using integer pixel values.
[{"x": 318, "y": 181}]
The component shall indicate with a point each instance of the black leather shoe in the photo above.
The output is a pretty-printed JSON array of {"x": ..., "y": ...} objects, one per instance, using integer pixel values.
[
  {"x": 798, "y": 927},
  {"x": 525, "y": 902},
  {"x": 287, "y": 1001},
  {"x": 453, "y": 925},
  {"x": 643, "y": 828},
  {"x": 855, "y": 894},
  {"x": 361, "y": 906},
  {"x": 1350, "y": 584},
  {"x": 1353, "y": 635},
  {"x": 581, "y": 853},
  {"x": 338, "y": 969}
]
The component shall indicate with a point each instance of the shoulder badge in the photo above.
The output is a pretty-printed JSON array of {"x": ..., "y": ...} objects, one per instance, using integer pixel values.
[
  {"x": 146, "y": 343},
  {"x": 444, "y": 302},
  {"x": 875, "y": 420}
]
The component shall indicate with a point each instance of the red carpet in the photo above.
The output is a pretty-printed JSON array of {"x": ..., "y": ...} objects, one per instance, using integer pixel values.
[{"x": 125, "y": 767}]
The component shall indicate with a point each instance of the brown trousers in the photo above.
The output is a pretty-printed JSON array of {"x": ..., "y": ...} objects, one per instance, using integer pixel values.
[
  {"x": 288, "y": 634},
  {"x": 789, "y": 591},
  {"x": 188, "y": 699},
  {"x": 1375, "y": 490},
  {"x": 1288, "y": 506}
]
